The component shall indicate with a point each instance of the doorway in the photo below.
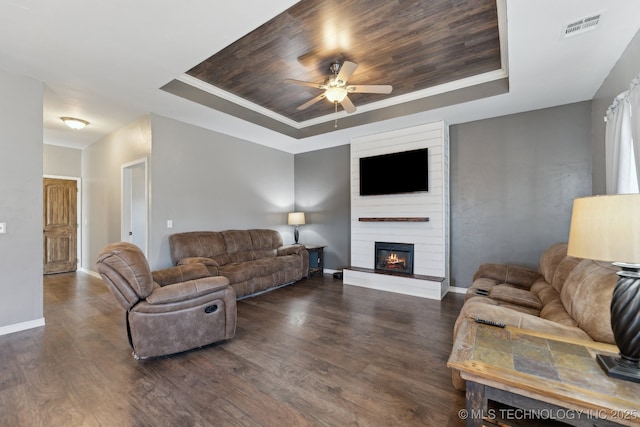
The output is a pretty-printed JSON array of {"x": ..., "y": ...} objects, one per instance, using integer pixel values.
[
  {"x": 60, "y": 224},
  {"x": 135, "y": 204}
]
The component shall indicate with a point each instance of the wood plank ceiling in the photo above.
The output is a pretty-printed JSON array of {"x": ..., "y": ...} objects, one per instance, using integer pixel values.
[{"x": 412, "y": 45}]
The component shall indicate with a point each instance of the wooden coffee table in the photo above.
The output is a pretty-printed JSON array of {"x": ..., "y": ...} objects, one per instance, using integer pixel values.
[{"x": 540, "y": 375}]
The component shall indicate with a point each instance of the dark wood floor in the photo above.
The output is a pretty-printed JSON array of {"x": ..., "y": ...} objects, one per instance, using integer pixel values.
[{"x": 314, "y": 353}]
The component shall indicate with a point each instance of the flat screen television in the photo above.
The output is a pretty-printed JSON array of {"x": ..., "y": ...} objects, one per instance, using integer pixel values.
[{"x": 395, "y": 173}]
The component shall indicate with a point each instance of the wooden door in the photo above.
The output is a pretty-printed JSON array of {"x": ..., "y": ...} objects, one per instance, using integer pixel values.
[{"x": 60, "y": 225}]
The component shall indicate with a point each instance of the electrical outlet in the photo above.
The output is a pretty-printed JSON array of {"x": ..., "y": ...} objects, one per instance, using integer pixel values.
[
  {"x": 3, "y": 227},
  {"x": 169, "y": 223}
]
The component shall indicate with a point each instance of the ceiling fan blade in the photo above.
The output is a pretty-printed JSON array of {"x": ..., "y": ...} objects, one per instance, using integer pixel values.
[
  {"x": 311, "y": 102},
  {"x": 346, "y": 70},
  {"x": 348, "y": 105},
  {"x": 303, "y": 83},
  {"x": 369, "y": 88}
]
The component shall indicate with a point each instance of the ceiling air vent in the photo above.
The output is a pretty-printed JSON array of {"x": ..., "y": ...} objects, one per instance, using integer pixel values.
[{"x": 581, "y": 26}]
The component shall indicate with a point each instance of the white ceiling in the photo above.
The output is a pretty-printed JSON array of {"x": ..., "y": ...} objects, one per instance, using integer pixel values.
[{"x": 104, "y": 61}]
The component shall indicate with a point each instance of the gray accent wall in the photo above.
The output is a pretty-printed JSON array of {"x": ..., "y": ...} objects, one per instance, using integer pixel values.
[
  {"x": 618, "y": 80},
  {"x": 513, "y": 181},
  {"x": 323, "y": 193},
  {"x": 62, "y": 161},
  {"x": 21, "y": 304},
  {"x": 204, "y": 180}
]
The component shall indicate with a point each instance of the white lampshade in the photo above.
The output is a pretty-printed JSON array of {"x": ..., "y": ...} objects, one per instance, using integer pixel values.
[
  {"x": 606, "y": 228},
  {"x": 296, "y": 218},
  {"x": 335, "y": 94}
]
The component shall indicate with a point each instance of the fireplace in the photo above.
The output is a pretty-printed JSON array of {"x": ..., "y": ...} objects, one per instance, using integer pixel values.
[{"x": 394, "y": 257}]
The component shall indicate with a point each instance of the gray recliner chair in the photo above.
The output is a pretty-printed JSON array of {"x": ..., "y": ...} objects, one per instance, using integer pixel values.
[{"x": 170, "y": 310}]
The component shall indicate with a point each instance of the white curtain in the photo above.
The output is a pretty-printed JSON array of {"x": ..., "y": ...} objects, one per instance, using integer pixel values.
[
  {"x": 622, "y": 142},
  {"x": 634, "y": 101}
]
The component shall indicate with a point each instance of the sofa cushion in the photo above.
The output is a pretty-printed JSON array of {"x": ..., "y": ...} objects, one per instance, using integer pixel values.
[
  {"x": 240, "y": 271},
  {"x": 492, "y": 302},
  {"x": 563, "y": 270},
  {"x": 485, "y": 308},
  {"x": 555, "y": 311},
  {"x": 545, "y": 292},
  {"x": 502, "y": 273},
  {"x": 238, "y": 244},
  {"x": 205, "y": 244},
  {"x": 198, "y": 260},
  {"x": 551, "y": 257},
  {"x": 513, "y": 295},
  {"x": 265, "y": 243},
  {"x": 480, "y": 286},
  {"x": 586, "y": 295}
]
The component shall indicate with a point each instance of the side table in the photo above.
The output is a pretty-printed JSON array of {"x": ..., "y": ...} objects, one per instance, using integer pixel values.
[
  {"x": 556, "y": 377},
  {"x": 316, "y": 258}
]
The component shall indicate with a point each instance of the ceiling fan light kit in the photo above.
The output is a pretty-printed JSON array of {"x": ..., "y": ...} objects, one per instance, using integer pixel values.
[
  {"x": 337, "y": 88},
  {"x": 336, "y": 94}
]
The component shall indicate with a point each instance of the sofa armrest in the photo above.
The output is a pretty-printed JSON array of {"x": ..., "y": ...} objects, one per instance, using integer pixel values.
[
  {"x": 181, "y": 273},
  {"x": 198, "y": 260},
  {"x": 502, "y": 273},
  {"x": 184, "y": 291},
  {"x": 291, "y": 249}
]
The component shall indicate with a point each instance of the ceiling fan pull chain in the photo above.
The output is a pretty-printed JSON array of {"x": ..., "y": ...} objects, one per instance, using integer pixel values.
[{"x": 335, "y": 126}]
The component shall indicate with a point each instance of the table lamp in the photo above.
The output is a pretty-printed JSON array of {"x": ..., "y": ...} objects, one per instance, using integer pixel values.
[
  {"x": 296, "y": 219},
  {"x": 607, "y": 228}
]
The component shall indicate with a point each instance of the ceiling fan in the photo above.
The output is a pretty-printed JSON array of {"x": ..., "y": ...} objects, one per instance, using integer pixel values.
[{"x": 336, "y": 88}]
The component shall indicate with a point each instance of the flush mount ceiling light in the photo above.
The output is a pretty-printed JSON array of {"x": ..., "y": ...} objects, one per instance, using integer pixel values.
[{"x": 74, "y": 123}]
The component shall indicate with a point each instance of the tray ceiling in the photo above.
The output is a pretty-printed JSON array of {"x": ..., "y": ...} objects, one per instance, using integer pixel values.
[{"x": 434, "y": 53}]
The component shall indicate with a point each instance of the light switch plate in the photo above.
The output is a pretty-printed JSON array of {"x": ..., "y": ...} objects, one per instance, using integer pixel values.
[
  {"x": 169, "y": 223},
  {"x": 3, "y": 227}
]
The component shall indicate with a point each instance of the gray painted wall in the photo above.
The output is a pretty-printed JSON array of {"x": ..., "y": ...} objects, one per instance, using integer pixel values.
[
  {"x": 62, "y": 161},
  {"x": 20, "y": 199},
  {"x": 513, "y": 181},
  {"x": 618, "y": 80},
  {"x": 322, "y": 189},
  {"x": 101, "y": 188},
  {"x": 204, "y": 180}
]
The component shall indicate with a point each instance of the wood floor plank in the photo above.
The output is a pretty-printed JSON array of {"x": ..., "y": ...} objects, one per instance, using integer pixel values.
[
  {"x": 313, "y": 353},
  {"x": 294, "y": 381}
]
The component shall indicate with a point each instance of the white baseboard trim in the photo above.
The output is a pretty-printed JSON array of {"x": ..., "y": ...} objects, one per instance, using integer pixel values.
[
  {"x": 457, "y": 290},
  {"x": 90, "y": 272},
  {"x": 22, "y": 326}
]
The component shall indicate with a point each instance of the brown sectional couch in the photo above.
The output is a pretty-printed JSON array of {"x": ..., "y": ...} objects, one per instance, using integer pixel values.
[
  {"x": 567, "y": 296},
  {"x": 253, "y": 260}
]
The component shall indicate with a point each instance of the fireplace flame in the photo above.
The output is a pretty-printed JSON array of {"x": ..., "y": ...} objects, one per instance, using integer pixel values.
[{"x": 393, "y": 261}]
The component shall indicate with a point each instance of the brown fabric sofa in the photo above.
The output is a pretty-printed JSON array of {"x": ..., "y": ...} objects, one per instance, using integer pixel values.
[
  {"x": 170, "y": 310},
  {"x": 254, "y": 260},
  {"x": 567, "y": 296}
]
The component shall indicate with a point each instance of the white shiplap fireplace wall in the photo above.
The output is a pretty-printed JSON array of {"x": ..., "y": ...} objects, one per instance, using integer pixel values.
[{"x": 430, "y": 239}]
